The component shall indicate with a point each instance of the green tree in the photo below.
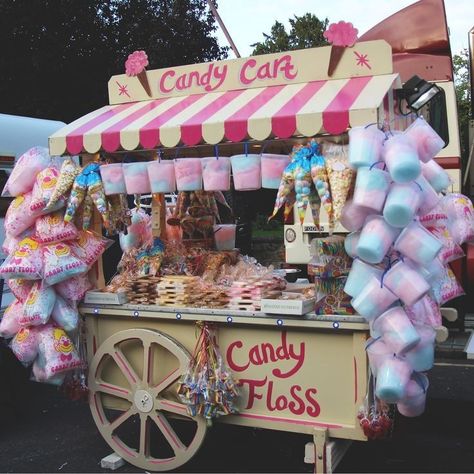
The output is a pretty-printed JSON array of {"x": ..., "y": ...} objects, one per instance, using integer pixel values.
[
  {"x": 463, "y": 97},
  {"x": 58, "y": 55},
  {"x": 305, "y": 32}
]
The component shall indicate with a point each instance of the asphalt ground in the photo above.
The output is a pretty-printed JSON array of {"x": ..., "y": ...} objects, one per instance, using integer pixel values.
[{"x": 41, "y": 431}]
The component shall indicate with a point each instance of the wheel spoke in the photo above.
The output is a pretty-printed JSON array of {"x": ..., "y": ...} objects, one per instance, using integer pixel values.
[
  {"x": 168, "y": 432},
  {"x": 111, "y": 427},
  {"x": 167, "y": 381},
  {"x": 172, "y": 407},
  {"x": 124, "y": 366},
  {"x": 144, "y": 448},
  {"x": 147, "y": 362},
  {"x": 113, "y": 390}
]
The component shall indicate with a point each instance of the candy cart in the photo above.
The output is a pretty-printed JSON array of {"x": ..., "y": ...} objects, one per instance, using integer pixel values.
[{"x": 304, "y": 374}]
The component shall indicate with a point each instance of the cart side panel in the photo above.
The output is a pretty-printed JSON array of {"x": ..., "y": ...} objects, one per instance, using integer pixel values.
[{"x": 291, "y": 379}]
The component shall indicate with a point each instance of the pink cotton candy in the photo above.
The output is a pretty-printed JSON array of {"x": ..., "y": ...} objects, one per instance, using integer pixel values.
[
  {"x": 89, "y": 247},
  {"x": 38, "y": 306},
  {"x": 25, "y": 345},
  {"x": 19, "y": 215},
  {"x": 60, "y": 263},
  {"x": 52, "y": 228},
  {"x": 74, "y": 289},
  {"x": 138, "y": 233},
  {"x": 25, "y": 262},
  {"x": 136, "y": 63},
  {"x": 461, "y": 217},
  {"x": 9, "y": 324},
  {"x": 20, "y": 288},
  {"x": 23, "y": 176},
  {"x": 56, "y": 352}
]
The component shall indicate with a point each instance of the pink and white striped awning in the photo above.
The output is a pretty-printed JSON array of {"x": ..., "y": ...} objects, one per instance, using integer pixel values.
[{"x": 282, "y": 111}]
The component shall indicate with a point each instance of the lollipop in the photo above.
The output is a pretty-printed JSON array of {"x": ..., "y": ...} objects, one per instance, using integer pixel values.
[
  {"x": 68, "y": 173},
  {"x": 321, "y": 183}
]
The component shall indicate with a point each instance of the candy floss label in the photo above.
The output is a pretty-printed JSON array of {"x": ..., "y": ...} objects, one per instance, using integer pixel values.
[{"x": 278, "y": 364}]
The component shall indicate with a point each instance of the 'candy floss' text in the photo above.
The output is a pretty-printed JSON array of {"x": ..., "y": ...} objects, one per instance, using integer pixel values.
[{"x": 297, "y": 400}]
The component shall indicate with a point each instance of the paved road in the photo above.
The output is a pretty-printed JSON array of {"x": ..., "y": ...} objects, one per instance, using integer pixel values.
[{"x": 51, "y": 434}]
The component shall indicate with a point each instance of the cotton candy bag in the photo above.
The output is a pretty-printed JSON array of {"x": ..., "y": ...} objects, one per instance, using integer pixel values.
[
  {"x": 43, "y": 190},
  {"x": 25, "y": 262},
  {"x": 9, "y": 324},
  {"x": 65, "y": 315},
  {"x": 461, "y": 217},
  {"x": 52, "y": 228},
  {"x": 60, "y": 263},
  {"x": 19, "y": 215},
  {"x": 20, "y": 288},
  {"x": 23, "y": 176},
  {"x": 56, "y": 352},
  {"x": 38, "y": 306},
  {"x": 89, "y": 247},
  {"x": 138, "y": 233},
  {"x": 446, "y": 288},
  {"x": 11, "y": 243},
  {"x": 74, "y": 289},
  {"x": 25, "y": 345}
]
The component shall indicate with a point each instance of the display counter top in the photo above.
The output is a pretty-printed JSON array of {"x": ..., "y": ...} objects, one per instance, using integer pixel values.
[{"x": 310, "y": 320}]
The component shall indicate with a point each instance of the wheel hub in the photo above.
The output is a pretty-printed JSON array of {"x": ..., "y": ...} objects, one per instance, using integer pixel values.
[{"x": 143, "y": 401}]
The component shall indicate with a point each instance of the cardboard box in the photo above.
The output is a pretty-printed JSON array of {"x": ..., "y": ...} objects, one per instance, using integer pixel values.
[
  {"x": 294, "y": 306},
  {"x": 102, "y": 297}
]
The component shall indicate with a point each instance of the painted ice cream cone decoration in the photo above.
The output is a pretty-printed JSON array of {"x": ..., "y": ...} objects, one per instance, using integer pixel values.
[
  {"x": 135, "y": 66},
  {"x": 341, "y": 35}
]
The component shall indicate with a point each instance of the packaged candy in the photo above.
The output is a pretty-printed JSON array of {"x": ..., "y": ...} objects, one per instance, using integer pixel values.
[
  {"x": 340, "y": 176},
  {"x": 320, "y": 178},
  {"x": 67, "y": 174},
  {"x": 65, "y": 315},
  {"x": 38, "y": 374},
  {"x": 23, "y": 176},
  {"x": 446, "y": 288},
  {"x": 451, "y": 250},
  {"x": 286, "y": 190},
  {"x": 56, "y": 352},
  {"x": 44, "y": 188},
  {"x": 74, "y": 289},
  {"x": 9, "y": 324},
  {"x": 25, "y": 262},
  {"x": 60, "y": 263},
  {"x": 25, "y": 345},
  {"x": 38, "y": 306},
  {"x": 19, "y": 215},
  {"x": 89, "y": 247},
  {"x": 20, "y": 288},
  {"x": 52, "y": 228}
]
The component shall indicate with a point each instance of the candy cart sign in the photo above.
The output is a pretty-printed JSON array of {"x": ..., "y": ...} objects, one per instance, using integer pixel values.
[
  {"x": 304, "y": 378},
  {"x": 368, "y": 58}
]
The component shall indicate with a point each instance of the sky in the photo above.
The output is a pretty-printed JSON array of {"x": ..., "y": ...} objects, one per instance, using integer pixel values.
[{"x": 246, "y": 20}]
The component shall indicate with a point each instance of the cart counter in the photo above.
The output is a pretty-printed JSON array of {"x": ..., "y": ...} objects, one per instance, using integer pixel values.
[{"x": 298, "y": 374}]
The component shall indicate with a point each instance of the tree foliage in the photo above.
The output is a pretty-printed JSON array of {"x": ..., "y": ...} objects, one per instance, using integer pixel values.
[
  {"x": 463, "y": 96},
  {"x": 57, "y": 55},
  {"x": 305, "y": 32}
]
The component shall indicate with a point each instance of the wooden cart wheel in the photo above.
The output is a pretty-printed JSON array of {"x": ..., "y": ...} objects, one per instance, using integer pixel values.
[{"x": 146, "y": 406}]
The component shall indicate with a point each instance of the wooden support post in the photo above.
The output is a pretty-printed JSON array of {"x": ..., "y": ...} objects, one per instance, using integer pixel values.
[
  {"x": 320, "y": 438},
  {"x": 158, "y": 216}
]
